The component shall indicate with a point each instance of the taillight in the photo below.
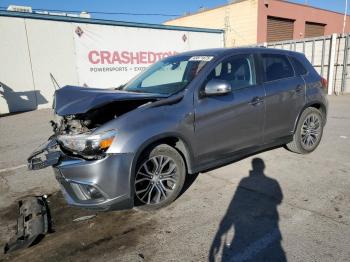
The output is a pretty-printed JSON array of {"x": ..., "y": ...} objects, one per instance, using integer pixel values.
[{"x": 324, "y": 83}]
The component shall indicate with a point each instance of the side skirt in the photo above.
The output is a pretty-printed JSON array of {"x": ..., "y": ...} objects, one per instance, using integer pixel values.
[{"x": 241, "y": 154}]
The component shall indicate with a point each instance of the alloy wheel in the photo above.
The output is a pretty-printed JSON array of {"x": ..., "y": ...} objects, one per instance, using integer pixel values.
[
  {"x": 311, "y": 131},
  {"x": 156, "y": 179}
]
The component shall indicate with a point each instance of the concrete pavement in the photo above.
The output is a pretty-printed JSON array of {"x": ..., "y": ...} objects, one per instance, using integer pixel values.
[{"x": 280, "y": 207}]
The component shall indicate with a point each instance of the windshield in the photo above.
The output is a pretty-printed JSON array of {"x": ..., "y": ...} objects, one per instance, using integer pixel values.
[{"x": 168, "y": 76}]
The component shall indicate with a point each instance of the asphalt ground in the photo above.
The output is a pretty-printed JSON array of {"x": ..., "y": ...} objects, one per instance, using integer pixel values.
[{"x": 273, "y": 206}]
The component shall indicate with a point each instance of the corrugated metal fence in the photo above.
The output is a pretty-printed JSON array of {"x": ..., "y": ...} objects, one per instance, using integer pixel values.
[{"x": 329, "y": 55}]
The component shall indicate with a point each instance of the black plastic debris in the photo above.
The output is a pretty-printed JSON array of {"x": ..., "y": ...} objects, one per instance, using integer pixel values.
[{"x": 32, "y": 223}]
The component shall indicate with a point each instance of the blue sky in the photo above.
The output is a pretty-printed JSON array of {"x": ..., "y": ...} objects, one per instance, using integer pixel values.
[{"x": 146, "y": 6}]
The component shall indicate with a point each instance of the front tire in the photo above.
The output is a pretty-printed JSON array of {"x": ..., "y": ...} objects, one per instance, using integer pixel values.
[
  {"x": 159, "y": 178},
  {"x": 308, "y": 133}
]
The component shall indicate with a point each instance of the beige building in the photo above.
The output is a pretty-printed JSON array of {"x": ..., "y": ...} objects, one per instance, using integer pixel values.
[
  {"x": 238, "y": 19},
  {"x": 248, "y": 22}
]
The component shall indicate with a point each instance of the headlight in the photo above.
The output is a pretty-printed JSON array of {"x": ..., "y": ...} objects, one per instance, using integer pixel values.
[{"x": 88, "y": 144}]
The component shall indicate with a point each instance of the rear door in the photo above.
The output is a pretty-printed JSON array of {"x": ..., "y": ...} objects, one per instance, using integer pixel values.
[
  {"x": 285, "y": 95},
  {"x": 227, "y": 123}
]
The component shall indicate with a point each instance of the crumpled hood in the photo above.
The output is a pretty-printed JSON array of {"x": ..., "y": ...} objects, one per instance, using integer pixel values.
[{"x": 71, "y": 100}]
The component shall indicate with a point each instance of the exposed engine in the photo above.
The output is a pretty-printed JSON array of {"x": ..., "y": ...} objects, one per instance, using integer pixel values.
[
  {"x": 68, "y": 125},
  {"x": 83, "y": 123}
]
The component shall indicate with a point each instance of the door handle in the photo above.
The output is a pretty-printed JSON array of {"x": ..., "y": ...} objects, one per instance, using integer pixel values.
[{"x": 256, "y": 101}]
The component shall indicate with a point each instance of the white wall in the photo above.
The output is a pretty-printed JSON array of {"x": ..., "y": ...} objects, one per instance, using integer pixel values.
[
  {"x": 17, "y": 91},
  {"x": 52, "y": 51},
  {"x": 31, "y": 49}
]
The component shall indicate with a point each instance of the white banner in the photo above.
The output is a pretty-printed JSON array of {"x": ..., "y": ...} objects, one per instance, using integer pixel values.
[{"x": 108, "y": 56}]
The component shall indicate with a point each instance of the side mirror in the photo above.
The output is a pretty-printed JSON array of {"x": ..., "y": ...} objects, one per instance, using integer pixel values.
[{"x": 217, "y": 87}]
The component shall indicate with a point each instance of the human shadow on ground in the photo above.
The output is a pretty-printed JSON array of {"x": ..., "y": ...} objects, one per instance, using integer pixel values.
[{"x": 252, "y": 218}]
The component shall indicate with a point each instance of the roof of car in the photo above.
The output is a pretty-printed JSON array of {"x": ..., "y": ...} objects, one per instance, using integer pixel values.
[{"x": 238, "y": 50}]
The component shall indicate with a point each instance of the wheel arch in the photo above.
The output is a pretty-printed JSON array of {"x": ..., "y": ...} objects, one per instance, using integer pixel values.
[
  {"x": 318, "y": 105},
  {"x": 174, "y": 140}
]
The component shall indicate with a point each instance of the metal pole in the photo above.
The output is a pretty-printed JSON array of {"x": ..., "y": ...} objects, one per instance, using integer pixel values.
[
  {"x": 313, "y": 53},
  {"x": 331, "y": 63},
  {"x": 345, "y": 64},
  {"x": 323, "y": 54},
  {"x": 345, "y": 15}
]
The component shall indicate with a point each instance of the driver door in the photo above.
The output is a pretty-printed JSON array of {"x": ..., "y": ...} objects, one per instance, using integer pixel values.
[{"x": 227, "y": 123}]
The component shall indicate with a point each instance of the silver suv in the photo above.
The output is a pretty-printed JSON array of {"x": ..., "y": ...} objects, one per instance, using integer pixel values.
[{"x": 136, "y": 144}]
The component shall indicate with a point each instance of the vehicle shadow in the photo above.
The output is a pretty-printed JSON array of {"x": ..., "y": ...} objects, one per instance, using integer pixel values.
[
  {"x": 252, "y": 218},
  {"x": 21, "y": 101}
]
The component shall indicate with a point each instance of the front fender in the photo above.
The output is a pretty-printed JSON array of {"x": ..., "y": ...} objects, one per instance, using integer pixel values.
[{"x": 154, "y": 125}]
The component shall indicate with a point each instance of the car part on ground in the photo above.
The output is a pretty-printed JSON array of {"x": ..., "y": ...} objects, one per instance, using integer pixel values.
[
  {"x": 84, "y": 218},
  {"x": 33, "y": 223}
]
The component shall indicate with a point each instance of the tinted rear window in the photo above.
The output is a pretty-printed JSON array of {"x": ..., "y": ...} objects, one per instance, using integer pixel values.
[
  {"x": 298, "y": 66},
  {"x": 276, "y": 67}
]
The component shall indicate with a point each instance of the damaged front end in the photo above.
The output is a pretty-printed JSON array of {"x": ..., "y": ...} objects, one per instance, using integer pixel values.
[
  {"x": 89, "y": 176},
  {"x": 79, "y": 112}
]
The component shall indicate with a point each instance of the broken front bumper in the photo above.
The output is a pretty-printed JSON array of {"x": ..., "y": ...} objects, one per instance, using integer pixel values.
[
  {"x": 46, "y": 155},
  {"x": 101, "y": 184}
]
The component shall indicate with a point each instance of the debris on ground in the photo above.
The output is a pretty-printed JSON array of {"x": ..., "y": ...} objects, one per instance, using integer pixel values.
[
  {"x": 83, "y": 218},
  {"x": 141, "y": 255},
  {"x": 33, "y": 222}
]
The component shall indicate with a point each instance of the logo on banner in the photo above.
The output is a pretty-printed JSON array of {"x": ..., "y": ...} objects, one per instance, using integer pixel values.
[
  {"x": 123, "y": 61},
  {"x": 104, "y": 57},
  {"x": 79, "y": 31}
]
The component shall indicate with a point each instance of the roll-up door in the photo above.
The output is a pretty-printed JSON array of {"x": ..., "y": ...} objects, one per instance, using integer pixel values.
[
  {"x": 314, "y": 29},
  {"x": 279, "y": 29}
]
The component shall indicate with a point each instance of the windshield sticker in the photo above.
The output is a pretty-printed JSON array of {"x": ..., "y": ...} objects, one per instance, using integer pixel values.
[{"x": 201, "y": 58}]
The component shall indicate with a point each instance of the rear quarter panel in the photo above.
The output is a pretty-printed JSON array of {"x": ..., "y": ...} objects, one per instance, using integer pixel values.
[{"x": 314, "y": 92}]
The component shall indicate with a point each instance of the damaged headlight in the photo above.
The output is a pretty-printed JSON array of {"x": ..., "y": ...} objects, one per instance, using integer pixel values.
[{"x": 88, "y": 144}]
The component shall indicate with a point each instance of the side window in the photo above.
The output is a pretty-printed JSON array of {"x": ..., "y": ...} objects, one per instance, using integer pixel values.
[
  {"x": 299, "y": 68},
  {"x": 237, "y": 70},
  {"x": 276, "y": 67}
]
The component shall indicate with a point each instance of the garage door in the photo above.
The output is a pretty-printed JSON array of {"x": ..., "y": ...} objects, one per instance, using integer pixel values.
[
  {"x": 314, "y": 29},
  {"x": 279, "y": 29}
]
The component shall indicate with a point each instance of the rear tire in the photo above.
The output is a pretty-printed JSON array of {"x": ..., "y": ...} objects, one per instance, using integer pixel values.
[
  {"x": 159, "y": 178},
  {"x": 308, "y": 132}
]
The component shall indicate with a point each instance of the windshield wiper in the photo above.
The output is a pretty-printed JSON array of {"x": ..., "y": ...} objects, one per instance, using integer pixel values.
[{"x": 120, "y": 87}]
